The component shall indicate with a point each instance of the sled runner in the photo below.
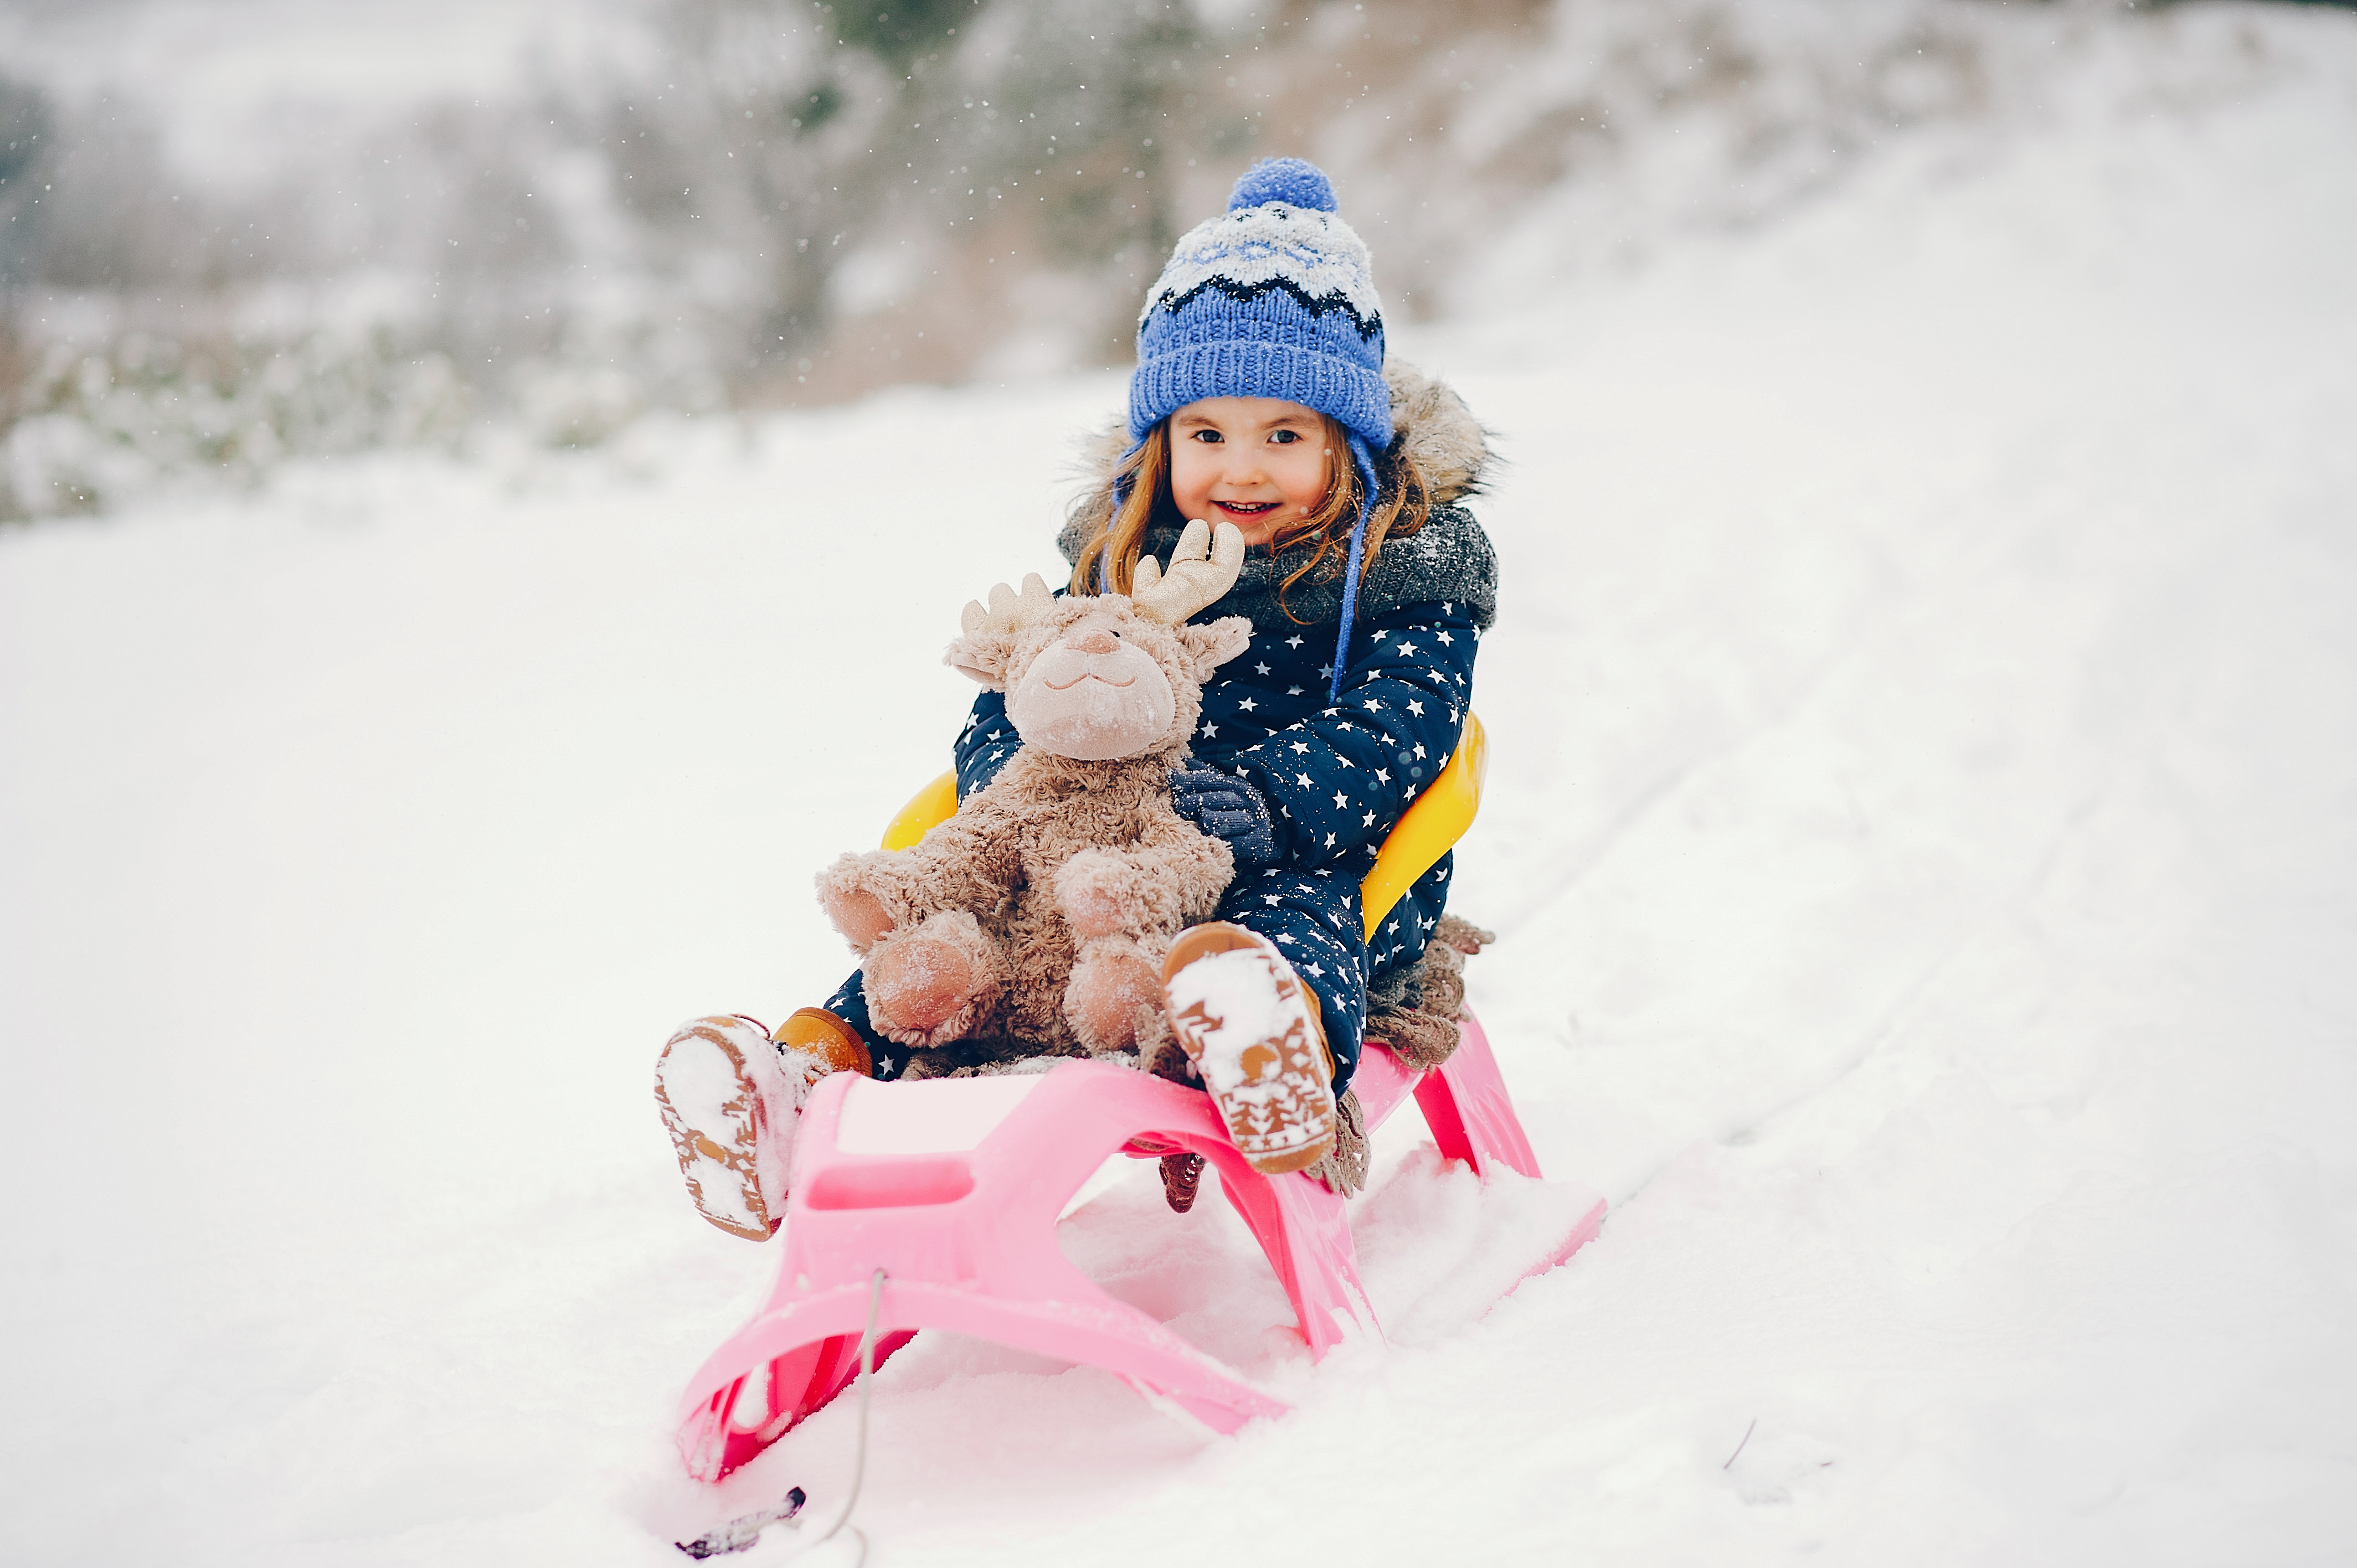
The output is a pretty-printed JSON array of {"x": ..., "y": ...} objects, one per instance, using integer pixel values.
[{"x": 951, "y": 1189}]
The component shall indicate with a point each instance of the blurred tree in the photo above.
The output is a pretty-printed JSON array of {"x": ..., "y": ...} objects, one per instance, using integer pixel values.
[
  {"x": 749, "y": 162},
  {"x": 940, "y": 150},
  {"x": 24, "y": 146},
  {"x": 897, "y": 30},
  {"x": 1113, "y": 89}
]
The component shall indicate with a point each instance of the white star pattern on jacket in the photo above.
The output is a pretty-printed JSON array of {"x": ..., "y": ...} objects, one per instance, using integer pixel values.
[{"x": 1330, "y": 740}]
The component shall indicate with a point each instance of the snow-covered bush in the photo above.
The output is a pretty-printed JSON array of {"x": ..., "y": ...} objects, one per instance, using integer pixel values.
[{"x": 98, "y": 424}]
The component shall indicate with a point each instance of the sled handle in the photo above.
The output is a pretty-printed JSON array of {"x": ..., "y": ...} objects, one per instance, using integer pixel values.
[{"x": 1433, "y": 823}]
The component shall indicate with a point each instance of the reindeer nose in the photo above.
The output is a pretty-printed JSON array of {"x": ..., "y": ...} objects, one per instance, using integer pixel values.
[{"x": 1096, "y": 640}]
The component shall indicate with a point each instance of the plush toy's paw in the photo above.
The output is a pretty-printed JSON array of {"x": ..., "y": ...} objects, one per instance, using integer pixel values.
[
  {"x": 861, "y": 916},
  {"x": 1106, "y": 894},
  {"x": 929, "y": 985},
  {"x": 852, "y": 907},
  {"x": 1107, "y": 992},
  {"x": 1092, "y": 905}
]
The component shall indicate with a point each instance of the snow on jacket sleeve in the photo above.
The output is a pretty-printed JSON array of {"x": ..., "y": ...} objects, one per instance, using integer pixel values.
[{"x": 1341, "y": 778}]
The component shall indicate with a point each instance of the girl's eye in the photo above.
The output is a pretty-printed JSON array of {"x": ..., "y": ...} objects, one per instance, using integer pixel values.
[
  {"x": 1284, "y": 437},
  {"x": 1208, "y": 437}
]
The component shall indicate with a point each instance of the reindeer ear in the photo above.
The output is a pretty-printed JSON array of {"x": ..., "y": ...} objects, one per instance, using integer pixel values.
[
  {"x": 1209, "y": 647},
  {"x": 983, "y": 656}
]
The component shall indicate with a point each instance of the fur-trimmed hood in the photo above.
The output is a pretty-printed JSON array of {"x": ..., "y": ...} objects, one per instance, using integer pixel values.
[{"x": 1449, "y": 558}]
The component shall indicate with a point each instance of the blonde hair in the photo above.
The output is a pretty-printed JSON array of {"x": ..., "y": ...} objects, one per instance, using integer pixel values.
[{"x": 1135, "y": 499}]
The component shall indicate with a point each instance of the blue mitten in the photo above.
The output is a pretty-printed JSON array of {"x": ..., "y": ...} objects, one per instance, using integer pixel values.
[{"x": 1225, "y": 807}]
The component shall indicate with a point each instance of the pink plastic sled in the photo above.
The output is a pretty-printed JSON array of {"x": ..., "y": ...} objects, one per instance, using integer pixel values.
[{"x": 953, "y": 1188}]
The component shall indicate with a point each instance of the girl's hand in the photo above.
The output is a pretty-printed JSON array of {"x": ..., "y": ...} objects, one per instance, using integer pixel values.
[{"x": 1229, "y": 808}]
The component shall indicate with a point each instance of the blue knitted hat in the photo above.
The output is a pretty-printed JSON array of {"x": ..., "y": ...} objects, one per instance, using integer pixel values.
[{"x": 1272, "y": 298}]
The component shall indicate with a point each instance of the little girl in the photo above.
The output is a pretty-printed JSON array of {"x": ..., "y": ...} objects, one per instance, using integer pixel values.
[{"x": 1261, "y": 398}]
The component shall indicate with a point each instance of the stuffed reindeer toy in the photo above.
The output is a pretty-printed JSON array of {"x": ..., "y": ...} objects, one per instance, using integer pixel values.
[{"x": 1039, "y": 917}]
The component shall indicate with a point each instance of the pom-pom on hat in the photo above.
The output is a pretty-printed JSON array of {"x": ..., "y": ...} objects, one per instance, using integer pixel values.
[{"x": 1272, "y": 298}]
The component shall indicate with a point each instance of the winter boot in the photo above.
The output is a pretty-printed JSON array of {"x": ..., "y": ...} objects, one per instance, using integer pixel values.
[
  {"x": 1182, "y": 1179},
  {"x": 1253, "y": 1031},
  {"x": 814, "y": 1042},
  {"x": 731, "y": 1095}
]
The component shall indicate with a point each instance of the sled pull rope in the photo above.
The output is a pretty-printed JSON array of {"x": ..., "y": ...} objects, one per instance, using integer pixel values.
[
  {"x": 739, "y": 1534},
  {"x": 859, "y": 1454}
]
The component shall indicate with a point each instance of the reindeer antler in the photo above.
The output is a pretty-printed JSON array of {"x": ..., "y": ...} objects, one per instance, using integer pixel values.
[
  {"x": 1010, "y": 611},
  {"x": 1203, "y": 567}
]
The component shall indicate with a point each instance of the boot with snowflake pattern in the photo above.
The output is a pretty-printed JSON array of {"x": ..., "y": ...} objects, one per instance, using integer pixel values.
[{"x": 1254, "y": 1033}]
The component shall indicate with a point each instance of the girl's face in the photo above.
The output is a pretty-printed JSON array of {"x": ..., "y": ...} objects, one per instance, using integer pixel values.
[{"x": 1256, "y": 462}]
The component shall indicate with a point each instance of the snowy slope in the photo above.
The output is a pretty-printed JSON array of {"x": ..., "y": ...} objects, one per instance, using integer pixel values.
[{"x": 1922, "y": 831}]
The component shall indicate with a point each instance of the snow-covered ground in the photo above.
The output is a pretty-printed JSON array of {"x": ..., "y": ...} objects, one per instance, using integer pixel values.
[{"x": 1922, "y": 832}]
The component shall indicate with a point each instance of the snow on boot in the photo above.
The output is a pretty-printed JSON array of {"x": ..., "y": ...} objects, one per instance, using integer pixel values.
[
  {"x": 1252, "y": 1029},
  {"x": 731, "y": 1097},
  {"x": 718, "y": 1084}
]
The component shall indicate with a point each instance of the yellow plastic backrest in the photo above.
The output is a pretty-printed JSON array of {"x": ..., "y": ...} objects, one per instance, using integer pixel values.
[
  {"x": 935, "y": 804},
  {"x": 1426, "y": 831}
]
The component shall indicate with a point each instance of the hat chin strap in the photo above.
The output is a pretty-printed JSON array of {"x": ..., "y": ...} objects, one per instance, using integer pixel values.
[{"x": 1368, "y": 490}]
